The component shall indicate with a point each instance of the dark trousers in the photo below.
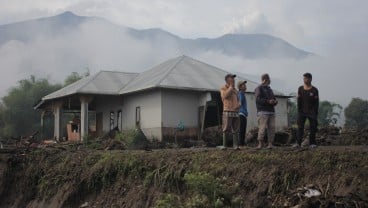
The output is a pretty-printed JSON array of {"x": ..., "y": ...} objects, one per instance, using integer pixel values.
[
  {"x": 242, "y": 130},
  {"x": 313, "y": 123}
]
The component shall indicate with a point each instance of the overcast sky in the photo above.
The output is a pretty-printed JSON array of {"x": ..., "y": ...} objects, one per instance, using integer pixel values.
[{"x": 337, "y": 30}]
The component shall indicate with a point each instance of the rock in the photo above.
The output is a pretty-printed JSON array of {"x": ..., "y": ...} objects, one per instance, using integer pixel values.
[
  {"x": 312, "y": 193},
  {"x": 85, "y": 204}
]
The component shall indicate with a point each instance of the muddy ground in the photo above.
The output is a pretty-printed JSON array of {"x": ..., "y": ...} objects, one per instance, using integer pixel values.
[{"x": 76, "y": 176}]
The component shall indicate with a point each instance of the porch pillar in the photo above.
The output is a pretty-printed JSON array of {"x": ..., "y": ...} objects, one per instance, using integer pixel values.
[
  {"x": 57, "y": 110},
  {"x": 85, "y": 100}
]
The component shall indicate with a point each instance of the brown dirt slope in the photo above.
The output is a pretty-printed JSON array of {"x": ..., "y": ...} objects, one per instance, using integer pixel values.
[{"x": 54, "y": 177}]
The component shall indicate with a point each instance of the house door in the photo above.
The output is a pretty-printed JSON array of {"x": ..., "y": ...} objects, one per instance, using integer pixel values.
[
  {"x": 99, "y": 124},
  {"x": 48, "y": 126}
]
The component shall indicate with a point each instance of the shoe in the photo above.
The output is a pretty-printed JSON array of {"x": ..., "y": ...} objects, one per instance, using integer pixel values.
[
  {"x": 260, "y": 145},
  {"x": 313, "y": 146},
  {"x": 296, "y": 146},
  {"x": 270, "y": 146},
  {"x": 236, "y": 148},
  {"x": 221, "y": 147},
  {"x": 305, "y": 143}
]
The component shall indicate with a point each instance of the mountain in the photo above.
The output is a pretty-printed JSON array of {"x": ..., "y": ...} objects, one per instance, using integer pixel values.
[{"x": 249, "y": 46}]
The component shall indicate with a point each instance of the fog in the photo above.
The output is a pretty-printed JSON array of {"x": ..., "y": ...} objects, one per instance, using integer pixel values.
[{"x": 340, "y": 74}]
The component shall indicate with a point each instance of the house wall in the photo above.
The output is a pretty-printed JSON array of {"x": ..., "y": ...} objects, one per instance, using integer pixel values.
[
  {"x": 180, "y": 106},
  {"x": 150, "y": 112},
  {"x": 281, "y": 112},
  {"x": 105, "y": 105}
]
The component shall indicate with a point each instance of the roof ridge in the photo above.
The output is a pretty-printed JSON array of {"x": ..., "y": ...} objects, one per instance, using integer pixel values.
[
  {"x": 170, "y": 70},
  {"x": 118, "y": 91},
  {"x": 215, "y": 67},
  {"x": 119, "y": 72},
  {"x": 92, "y": 78}
]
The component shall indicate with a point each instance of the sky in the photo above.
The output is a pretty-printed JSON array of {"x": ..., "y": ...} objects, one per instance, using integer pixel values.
[{"x": 335, "y": 30}]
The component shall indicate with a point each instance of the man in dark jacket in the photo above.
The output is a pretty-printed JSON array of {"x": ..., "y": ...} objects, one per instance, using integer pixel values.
[
  {"x": 265, "y": 102},
  {"x": 308, "y": 103}
]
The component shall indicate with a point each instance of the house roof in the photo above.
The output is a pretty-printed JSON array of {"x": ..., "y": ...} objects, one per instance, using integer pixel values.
[
  {"x": 183, "y": 73},
  {"x": 104, "y": 82},
  {"x": 178, "y": 73}
]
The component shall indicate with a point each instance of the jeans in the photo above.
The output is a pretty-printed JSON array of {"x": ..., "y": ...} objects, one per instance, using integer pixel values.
[
  {"x": 313, "y": 123},
  {"x": 243, "y": 129}
]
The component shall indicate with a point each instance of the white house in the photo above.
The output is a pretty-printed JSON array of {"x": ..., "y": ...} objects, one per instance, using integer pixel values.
[{"x": 180, "y": 90}]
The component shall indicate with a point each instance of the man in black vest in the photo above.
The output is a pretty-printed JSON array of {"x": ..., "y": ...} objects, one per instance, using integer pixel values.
[
  {"x": 308, "y": 103},
  {"x": 265, "y": 103}
]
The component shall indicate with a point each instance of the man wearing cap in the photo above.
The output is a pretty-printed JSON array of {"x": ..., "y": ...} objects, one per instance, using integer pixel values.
[
  {"x": 230, "y": 115},
  {"x": 243, "y": 112},
  {"x": 308, "y": 103},
  {"x": 265, "y": 102}
]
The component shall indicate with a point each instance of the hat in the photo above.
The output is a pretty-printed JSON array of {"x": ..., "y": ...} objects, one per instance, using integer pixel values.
[
  {"x": 308, "y": 75},
  {"x": 241, "y": 82},
  {"x": 230, "y": 75}
]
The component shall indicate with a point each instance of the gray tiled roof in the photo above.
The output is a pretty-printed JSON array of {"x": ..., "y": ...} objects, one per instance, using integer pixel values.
[{"x": 178, "y": 73}]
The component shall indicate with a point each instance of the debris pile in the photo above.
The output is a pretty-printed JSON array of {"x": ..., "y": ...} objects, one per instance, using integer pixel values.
[{"x": 312, "y": 196}]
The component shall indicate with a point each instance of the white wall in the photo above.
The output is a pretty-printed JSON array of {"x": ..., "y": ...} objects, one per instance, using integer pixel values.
[
  {"x": 150, "y": 108},
  {"x": 106, "y": 104},
  {"x": 180, "y": 106}
]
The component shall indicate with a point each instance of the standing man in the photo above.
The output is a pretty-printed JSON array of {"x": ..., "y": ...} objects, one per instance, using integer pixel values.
[
  {"x": 230, "y": 115},
  {"x": 265, "y": 102},
  {"x": 243, "y": 112},
  {"x": 308, "y": 103}
]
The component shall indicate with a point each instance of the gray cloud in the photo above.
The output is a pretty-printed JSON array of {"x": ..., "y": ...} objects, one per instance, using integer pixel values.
[{"x": 335, "y": 29}]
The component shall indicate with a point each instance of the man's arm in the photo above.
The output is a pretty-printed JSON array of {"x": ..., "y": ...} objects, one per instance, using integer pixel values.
[
  {"x": 225, "y": 93},
  {"x": 317, "y": 101}
]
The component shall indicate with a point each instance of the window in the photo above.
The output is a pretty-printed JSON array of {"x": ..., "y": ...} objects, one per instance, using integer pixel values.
[
  {"x": 112, "y": 120},
  {"x": 138, "y": 116},
  {"x": 119, "y": 120}
]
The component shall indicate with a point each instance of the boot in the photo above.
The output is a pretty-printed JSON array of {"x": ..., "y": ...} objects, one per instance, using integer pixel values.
[
  {"x": 260, "y": 144},
  {"x": 223, "y": 141},
  {"x": 235, "y": 141},
  {"x": 306, "y": 142}
]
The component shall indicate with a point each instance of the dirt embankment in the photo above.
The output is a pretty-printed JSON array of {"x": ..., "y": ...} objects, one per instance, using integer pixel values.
[{"x": 51, "y": 177}]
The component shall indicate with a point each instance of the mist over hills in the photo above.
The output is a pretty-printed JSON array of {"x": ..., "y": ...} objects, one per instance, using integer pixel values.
[{"x": 249, "y": 46}]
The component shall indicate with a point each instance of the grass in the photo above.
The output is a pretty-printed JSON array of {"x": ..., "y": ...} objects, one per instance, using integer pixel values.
[{"x": 185, "y": 178}]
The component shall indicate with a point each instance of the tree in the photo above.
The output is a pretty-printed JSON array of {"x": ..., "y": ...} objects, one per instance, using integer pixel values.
[
  {"x": 356, "y": 114},
  {"x": 75, "y": 76},
  {"x": 328, "y": 113},
  {"x": 17, "y": 116},
  {"x": 292, "y": 110}
]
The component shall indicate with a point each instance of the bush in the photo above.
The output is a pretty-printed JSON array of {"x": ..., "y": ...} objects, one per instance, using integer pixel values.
[
  {"x": 167, "y": 201},
  {"x": 203, "y": 183},
  {"x": 133, "y": 139}
]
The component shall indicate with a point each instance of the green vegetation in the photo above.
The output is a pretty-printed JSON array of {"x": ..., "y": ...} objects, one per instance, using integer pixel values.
[
  {"x": 75, "y": 76},
  {"x": 133, "y": 139},
  {"x": 182, "y": 178},
  {"x": 17, "y": 116},
  {"x": 356, "y": 114},
  {"x": 328, "y": 112}
]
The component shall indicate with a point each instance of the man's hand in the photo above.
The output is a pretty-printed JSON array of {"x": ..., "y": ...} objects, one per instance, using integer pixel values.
[{"x": 272, "y": 102}]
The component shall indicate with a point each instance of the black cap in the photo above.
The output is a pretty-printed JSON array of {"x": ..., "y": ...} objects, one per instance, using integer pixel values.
[
  {"x": 230, "y": 75},
  {"x": 308, "y": 75}
]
